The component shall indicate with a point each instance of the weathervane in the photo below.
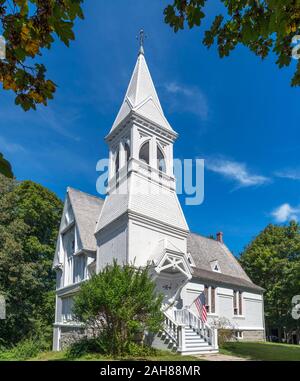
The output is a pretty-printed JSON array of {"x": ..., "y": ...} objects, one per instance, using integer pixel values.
[{"x": 142, "y": 36}]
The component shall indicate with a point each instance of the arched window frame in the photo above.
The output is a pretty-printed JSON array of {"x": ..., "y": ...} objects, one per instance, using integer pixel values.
[
  {"x": 127, "y": 151},
  {"x": 147, "y": 142},
  {"x": 117, "y": 162},
  {"x": 160, "y": 150}
]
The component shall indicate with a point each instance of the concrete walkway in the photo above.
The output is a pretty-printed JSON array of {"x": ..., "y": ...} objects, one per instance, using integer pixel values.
[{"x": 220, "y": 357}]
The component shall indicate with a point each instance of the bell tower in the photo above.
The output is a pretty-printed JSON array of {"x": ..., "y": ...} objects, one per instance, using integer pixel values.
[{"x": 141, "y": 221}]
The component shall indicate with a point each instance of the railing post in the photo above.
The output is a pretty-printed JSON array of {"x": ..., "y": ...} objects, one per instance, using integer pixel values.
[
  {"x": 214, "y": 338},
  {"x": 181, "y": 337}
]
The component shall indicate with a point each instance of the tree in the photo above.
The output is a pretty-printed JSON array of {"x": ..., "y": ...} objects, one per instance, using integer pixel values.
[
  {"x": 117, "y": 305},
  {"x": 5, "y": 167},
  {"x": 28, "y": 27},
  {"x": 29, "y": 221},
  {"x": 272, "y": 260},
  {"x": 263, "y": 26}
]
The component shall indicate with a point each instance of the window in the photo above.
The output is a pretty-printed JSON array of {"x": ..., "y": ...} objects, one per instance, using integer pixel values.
[
  {"x": 79, "y": 268},
  {"x": 237, "y": 303},
  {"x": 68, "y": 240},
  {"x": 67, "y": 306},
  {"x": 210, "y": 299},
  {"x": 238, "y": 335},
  {"x": 215, "y": 266},
  {"x": 206, "y": 298},
  {"x": 117, "y": 163},
  {"x": 144, "y": 153},
  {"x": 127, "y": 152},
  {"x": 161, "y": 163},
  {"x": 213, "y": 300}
]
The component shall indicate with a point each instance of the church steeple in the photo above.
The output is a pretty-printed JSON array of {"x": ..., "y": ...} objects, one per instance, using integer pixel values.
[
  {"x": 141, "y": 207},
  {"x": 141, "y": 97}
]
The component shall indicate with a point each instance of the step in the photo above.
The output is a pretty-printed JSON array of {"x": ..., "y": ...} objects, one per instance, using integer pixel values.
[
  {"x": 199, "y": 352},
  {"x": 194, "y": 334},
  {"x": 200, "y": 345},
  {"x": 196, "y": 340}
]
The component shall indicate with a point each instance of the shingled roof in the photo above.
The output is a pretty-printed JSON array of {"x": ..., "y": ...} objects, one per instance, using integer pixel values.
[
  {"x": 86, "y": 210},
  {"x": 205, "y": 251}
]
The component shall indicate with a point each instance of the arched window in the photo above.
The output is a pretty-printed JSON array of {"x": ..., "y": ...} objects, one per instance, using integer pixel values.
[
  {"x": 127, "y": 151},
  {"x": 117, "y": 163},
  {"x": 144, "y": 153},
  {"x": 161, "y": 163}
]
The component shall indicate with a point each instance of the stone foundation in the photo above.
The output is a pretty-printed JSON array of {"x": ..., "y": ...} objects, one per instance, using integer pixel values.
[
  {"x": 253, "y": 336},
  {"x": 70, "y": 335}
]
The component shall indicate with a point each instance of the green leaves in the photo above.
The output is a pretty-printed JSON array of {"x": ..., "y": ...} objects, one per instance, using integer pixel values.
[
  {"x": 121, "y": 302},
  {"x": 272, "y": 260},
  {"x": 262, "y": 26},
  {"x": 29, "y": 221},
  {"x": 26, "y": 34},
  {"x": 5, "y": 167}
]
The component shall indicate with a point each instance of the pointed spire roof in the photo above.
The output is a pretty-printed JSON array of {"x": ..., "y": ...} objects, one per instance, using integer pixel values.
[{"x": 141, "y": 96}]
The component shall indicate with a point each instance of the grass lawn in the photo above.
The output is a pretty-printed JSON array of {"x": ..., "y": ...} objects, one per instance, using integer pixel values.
[
  {"x": 262, "y": 351},
  {"x": 62, "y": 356},
  {"x": 161, "y": 356}
]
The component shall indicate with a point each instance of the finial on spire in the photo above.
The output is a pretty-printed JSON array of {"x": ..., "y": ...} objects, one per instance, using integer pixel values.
[{"x": 142, "y": 36}]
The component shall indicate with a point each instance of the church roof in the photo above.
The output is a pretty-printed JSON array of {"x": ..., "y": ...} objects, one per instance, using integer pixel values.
[
  {"x": 86, "y": 210},
  {"x": 206, "y": 251},
  {"x": 141, "y": 97},
  {"x": 168, "y": 211}
]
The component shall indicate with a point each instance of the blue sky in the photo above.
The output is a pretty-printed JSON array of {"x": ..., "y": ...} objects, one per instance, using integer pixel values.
[{"x": 239, "y": 114}]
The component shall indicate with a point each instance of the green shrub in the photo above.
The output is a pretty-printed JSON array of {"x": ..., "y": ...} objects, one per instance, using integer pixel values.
[
  {"x": 99, "y": 345},
  {"x": 117, "y": 306},
  {"x": 24, "y": 350},
  {"x": 85, "y": 346},
  {"x": 224, "y": 336}
]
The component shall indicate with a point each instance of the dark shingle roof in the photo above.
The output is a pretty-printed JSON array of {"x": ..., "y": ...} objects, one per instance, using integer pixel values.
[
  {"x": 206, "y": 250},
  {"x": 86, "y": 210}
]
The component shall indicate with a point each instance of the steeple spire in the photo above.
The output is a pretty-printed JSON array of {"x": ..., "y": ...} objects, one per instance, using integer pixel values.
[{"x": 141, "y": 97}]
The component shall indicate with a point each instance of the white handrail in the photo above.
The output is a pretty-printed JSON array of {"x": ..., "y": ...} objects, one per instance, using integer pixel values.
[
  {"x": 175, "y": 328},
  {"x": 188, "y": 318}
]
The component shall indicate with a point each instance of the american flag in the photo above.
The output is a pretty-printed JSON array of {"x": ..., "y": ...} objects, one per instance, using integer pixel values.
[{"x": 201, "y": 307}]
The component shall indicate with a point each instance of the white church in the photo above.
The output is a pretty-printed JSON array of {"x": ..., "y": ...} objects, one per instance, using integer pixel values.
[{"x": 141, "y": 221}]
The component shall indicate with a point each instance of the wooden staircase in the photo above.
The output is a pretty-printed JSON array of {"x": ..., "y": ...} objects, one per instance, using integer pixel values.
[{"x": 187, "y": 334}]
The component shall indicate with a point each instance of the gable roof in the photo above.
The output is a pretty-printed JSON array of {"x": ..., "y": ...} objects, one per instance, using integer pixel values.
[
  {"x": 204, "y": 251},
  {"x": 141, "y": 97},
  {"x": 86, "y": 209}
]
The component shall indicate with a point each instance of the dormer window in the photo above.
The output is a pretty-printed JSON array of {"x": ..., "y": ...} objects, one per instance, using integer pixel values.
[
  {"x": 161, "y": 163},
  {"x": 144, "y": 153},
  {"x": 215, "y": 266}
]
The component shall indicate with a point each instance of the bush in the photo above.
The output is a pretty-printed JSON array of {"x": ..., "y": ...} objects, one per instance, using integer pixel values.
[
  {"x": 99, "y": 345},
  {"x": 117, "y": 306},
  {"x": 24, "y": 350},
  {"x": 83, "y": 347},
  {"x": 225, "y": 330}
]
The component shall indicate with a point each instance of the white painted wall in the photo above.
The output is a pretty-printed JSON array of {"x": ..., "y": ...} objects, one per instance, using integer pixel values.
[
  {"x": 112, "y": 244},
  {"x": 145, "y": 241},
  {"x": 252, "y": 317}
]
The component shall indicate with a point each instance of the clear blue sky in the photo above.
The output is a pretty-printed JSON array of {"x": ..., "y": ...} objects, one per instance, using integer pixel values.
[{"x": 238, "y": 113}]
